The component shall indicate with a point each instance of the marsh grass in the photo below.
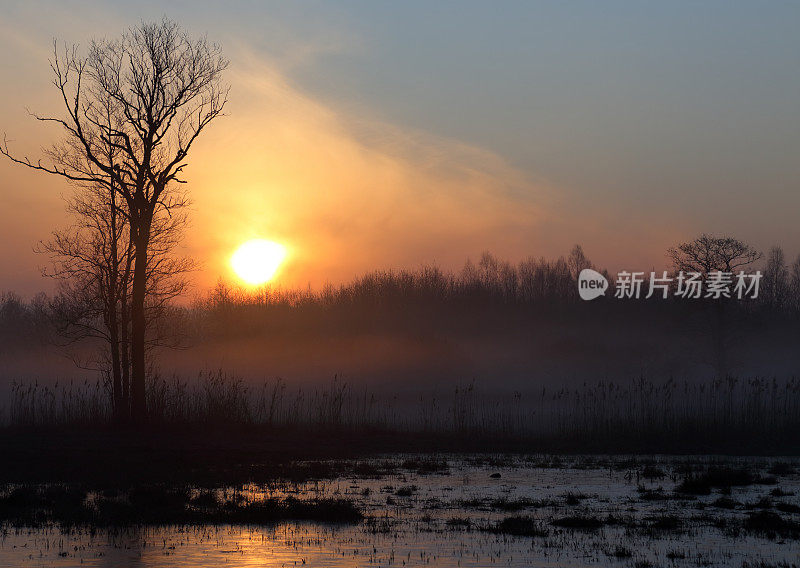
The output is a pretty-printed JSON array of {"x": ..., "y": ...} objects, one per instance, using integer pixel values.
[
  {"x": 668, "y": 415},
  {"x": 771, "y": 525},
  {"x": 580, "y": 522},
  {"x": 621, "y": 552},
  {"x": 703, "y": 483},
  {"x": 519, "y": 526},
  {"x": 159, "y": 504}
]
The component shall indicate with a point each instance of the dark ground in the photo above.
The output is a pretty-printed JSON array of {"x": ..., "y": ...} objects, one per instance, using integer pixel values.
[{"x": 218, "y": 456}]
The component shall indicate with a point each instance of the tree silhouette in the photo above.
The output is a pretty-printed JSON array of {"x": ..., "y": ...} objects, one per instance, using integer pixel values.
[
  {"x": 577, "y": 261},
  {"x": 147, "y": 96},
  {"x": 776, "y": 279},
  {"x": 92, "y": 260},
  {"x": 707, "y": 254}
]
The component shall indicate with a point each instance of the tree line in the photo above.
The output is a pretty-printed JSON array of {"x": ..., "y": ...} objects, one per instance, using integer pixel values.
[{"x": 534, "y": 280}]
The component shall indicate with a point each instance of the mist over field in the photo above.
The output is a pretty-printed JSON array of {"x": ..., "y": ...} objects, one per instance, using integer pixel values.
[{"x": 504, "y": 328}]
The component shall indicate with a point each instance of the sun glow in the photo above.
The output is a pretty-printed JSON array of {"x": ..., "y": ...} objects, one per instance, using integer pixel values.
[{"x": 257, "y": 261}]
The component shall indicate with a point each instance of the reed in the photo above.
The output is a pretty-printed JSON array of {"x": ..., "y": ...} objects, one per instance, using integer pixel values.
[{"x": 602, "y": 412}]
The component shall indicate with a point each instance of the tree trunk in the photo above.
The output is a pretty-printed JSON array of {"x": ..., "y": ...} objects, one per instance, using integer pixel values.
[
  {"x": 138, "y": 325},
  {"x": 115, "y": 363},
  {"x": 124, "y": 357},
  {"x": 125, "y": 321},
  {"x": 720, "y": 338}
]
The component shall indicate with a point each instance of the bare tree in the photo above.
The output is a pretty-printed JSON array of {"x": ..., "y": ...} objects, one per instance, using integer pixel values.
[
  {"x": 92, "y": 262},
  {"x": 708, "y": 253},
  {"x": 794, "y": 284},
  {"x": 776, "y": 279},
  {"x": 161, "y": 89},
  {"x": 577, "y": 261}
]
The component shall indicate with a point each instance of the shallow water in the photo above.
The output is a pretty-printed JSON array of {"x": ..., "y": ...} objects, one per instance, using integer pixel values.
[{"x": 440, "y": 519}]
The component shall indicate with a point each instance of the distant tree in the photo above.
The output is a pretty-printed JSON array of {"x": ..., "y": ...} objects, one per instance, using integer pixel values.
[
  {"x": 541, "y": 280},
  {"x": 161, "y": 90},
  {"x": 577, "y": 261},
  {"x": 528, "y": 283},
  {"x": 775, "y": 282},
  {"x": 497, "y": 277},
  {"x": 707, "y": 254},
  {"x": 794, "y": 284}
]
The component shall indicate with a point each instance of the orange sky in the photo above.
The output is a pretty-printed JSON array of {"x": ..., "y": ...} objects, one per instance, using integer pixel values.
[
  {"x": 345, "y": 193},
  {"x": 345, "y": 187}
]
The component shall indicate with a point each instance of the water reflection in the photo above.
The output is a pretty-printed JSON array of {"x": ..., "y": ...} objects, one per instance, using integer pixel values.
[{"x": 453, "y": 518}]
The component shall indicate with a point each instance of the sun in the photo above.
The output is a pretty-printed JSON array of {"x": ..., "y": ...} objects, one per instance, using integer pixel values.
[{"x": 257, "y": 261}]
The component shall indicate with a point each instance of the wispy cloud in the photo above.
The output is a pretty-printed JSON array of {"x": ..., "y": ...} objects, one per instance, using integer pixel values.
[{"x": 347, "y": 192}]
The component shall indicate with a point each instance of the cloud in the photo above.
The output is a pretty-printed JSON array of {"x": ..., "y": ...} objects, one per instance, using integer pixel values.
[{"x": 344, "y": 191}]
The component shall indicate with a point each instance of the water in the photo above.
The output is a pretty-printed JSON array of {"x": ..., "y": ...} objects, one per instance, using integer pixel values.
[{"x": 440, "y": 519}]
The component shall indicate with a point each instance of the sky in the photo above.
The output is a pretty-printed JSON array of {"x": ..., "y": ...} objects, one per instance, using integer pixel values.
[{"x": 373, "y": 135}]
